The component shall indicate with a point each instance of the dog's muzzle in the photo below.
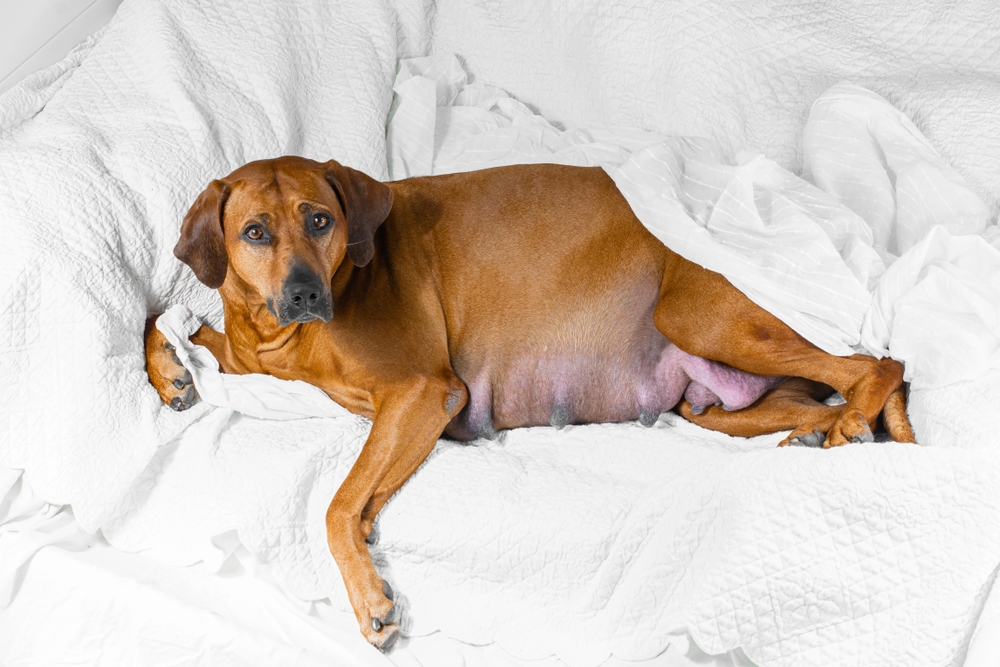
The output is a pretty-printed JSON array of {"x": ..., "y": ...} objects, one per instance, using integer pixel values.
[{"x": 304, "y": 298}]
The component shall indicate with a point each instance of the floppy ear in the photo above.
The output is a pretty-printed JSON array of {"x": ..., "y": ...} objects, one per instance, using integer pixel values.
[
  {"x": 366, "y": 203},
  {"x": 202, "y": 246}
]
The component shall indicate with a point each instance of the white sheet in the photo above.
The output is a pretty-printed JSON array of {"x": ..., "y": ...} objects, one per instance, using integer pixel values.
[
  {"x": 742, "y": 73},
  {"x": 67, "y": 596},
  {"x": 557, "y": 538},
  {"x": 79, "y": 601},
  {"x": 99, "y": 159},
  {"x": 813, "y": 256}
]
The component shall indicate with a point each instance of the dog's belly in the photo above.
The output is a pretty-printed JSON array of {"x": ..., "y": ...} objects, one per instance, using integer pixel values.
[{"x": 558, "y": 387}]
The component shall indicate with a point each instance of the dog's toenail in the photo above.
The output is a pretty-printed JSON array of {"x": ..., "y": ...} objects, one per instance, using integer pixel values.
[
  {"x": 372, "y": 536},
  {"x": 814, "y": 439},
  {"x": 387, "y": 644},
  {"x": 376, "y": 625},
  {"x": 169, "y": 347},
  {"x": 179, "y": 383},
  {"x": 697, "y": 409},
  {"x": 175, "y": 403},
  {"x": 387, "y": 590}
]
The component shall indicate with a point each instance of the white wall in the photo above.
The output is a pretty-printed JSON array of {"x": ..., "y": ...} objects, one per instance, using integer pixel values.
[{"x": 36, "y": 33}]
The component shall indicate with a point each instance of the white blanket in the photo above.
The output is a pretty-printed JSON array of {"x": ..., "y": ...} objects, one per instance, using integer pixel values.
[
  {"x": 742, "y": 73},
  {"x": 99, "y": 161},
  {"x": 583, "y": 537},
  {"x": 586, "y": 542}
]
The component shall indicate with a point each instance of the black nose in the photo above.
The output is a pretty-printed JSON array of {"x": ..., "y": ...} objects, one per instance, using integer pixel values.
[
  {"x": 302, "y": 294},
  {"x": 304, "y": 298},
  {"x": 302, "y": 289}
]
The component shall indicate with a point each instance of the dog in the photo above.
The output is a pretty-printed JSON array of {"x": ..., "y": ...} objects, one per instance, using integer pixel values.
[{"x": 464, "y": 304}]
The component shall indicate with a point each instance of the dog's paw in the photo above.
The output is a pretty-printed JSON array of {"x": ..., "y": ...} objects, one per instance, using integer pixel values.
[
  {"x": 804, "y": 436},
  {"x": 381, "y": 631},
  {"x": 171, "y": 380},
  {"x": 850, "y": 427}
]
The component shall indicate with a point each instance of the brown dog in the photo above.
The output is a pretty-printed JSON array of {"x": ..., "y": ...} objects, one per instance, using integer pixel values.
[{"x": 469, "y": 303}]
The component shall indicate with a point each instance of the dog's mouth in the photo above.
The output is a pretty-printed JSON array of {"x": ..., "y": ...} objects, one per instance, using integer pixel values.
[{"x": 287, "y": 312}]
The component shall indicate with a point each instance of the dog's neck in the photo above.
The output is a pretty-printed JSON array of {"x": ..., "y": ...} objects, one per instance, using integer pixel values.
[
  {"x": 341, "y": 277},
  {"x": 252, "y": 332},
  {"x": 256, "y": 343}
]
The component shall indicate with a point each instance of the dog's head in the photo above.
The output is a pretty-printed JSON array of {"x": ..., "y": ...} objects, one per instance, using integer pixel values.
[{"x": 282, "y": 227}]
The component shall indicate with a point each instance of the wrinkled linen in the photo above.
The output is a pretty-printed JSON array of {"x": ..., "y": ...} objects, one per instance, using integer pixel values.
[
  {"x": 98, "y": 163},
  {"x": 574, "y": 539},
  {"x": 79, "y": 599},
  {"x": 813, "y": 251},
  {"x": 583, "y": 543},
  {"x": 742, "y": 73}
]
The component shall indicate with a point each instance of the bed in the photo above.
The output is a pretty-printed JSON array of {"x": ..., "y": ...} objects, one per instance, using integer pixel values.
[{"x": 131, "y": 533}]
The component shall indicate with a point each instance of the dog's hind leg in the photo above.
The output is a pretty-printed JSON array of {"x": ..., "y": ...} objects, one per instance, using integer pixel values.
[
  {"x": 894, "y": 417},
  {"x": 700, "y": 312},
  {"x": 792, "y": 405}
]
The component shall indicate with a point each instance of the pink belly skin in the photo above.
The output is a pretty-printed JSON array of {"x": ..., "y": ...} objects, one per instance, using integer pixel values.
[
  {"x": 565, "y": 388},
  {"x": 714, "y": 383}
]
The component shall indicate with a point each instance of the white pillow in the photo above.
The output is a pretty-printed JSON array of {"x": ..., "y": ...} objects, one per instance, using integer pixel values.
[{"x": 101, "y": 156}]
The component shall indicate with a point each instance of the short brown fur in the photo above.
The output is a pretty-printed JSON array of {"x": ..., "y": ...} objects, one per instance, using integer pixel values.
[{"x": 429, "y": 276}]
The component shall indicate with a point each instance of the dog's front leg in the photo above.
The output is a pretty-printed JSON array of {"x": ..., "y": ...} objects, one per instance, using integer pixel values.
[
  {"x": 171, "y": 380},
  {"x": 408, "y": 421}
]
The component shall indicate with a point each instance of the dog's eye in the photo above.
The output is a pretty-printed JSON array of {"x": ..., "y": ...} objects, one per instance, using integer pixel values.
[
  {"x": 320, "y": 221},
  {"x": 254, "y": 233}
]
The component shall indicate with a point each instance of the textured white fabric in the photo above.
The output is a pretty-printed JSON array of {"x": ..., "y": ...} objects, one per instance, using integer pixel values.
[
  {"x": 811, "y": 255},
  {"x": 789, "y": 246},
  {"x": 743, "y": 73},
  {"x": 442, "y": 123},
  {"x": 81, "y": 601},
  {"x": 873, "y": 159},
  {"x": 937, "y": 309},
  {"x": 771, "y": 234},
  {"x": 565, "y": 542},
  {"x": 94, "y": 179},
  {"x": 254, "y": 395}
]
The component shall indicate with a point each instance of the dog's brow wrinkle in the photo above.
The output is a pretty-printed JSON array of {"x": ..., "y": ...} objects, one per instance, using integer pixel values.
[{"x": 275, "y": 180}]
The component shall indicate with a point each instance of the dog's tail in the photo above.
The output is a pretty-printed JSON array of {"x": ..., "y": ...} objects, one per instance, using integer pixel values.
[{"x": 894, "y": 416}]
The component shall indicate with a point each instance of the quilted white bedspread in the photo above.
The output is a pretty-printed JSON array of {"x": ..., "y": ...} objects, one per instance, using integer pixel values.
[
  {"x": 586, "y": 542},
  {"x": 743, "y": 72}
]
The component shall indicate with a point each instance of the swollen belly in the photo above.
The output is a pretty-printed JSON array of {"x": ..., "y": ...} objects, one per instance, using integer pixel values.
[{"x": 580, "y": 388}]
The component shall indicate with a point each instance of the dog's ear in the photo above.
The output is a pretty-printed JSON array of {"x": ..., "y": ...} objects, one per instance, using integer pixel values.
[
  {"x": 202, "y": 245},
  {"x": 366, "y": 204}
]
